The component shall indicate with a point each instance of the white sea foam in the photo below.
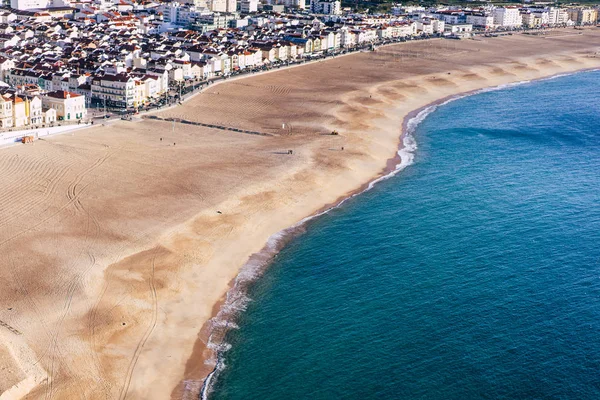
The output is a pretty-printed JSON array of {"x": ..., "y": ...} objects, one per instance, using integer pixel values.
[
  {"x": 221, "y": 347},
  {"x": 237, "y": 301},
  {"x": 220, "y": 323}
]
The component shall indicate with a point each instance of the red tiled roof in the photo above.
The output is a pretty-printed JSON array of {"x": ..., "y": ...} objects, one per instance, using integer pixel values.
[{"x": 62, "y": 94}]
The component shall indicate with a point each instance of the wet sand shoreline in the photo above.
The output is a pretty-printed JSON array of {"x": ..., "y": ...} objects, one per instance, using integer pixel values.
[{"x": 205, "y": 356}]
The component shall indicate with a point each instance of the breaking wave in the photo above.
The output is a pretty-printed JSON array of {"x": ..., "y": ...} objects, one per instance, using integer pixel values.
[{"x": 237, "y": 299}]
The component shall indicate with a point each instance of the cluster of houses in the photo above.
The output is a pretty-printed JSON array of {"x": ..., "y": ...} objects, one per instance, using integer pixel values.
[
  {"x": 490, "y": 18},
  {"x": 132, "y": 53},
  {"x": 19, "y": 111},
  {"x": 131, "y": 59}
]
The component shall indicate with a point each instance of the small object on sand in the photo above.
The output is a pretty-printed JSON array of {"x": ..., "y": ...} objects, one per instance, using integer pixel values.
[
  {"x": 161, "y": 139},
  {"x": 174, "y": 144},
  {"x": 219, "y": 212},
  {"x": 342, "y": 148},
  {"x": 123, "y": 323},
  {"x": 290, "y": 151}
]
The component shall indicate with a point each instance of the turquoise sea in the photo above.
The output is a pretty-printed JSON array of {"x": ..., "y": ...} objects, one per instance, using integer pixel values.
[{"x": 474, "y": 273}]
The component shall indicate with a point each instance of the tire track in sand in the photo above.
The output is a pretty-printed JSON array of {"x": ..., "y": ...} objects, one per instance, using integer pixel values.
[{"x": 142, "y": 342}]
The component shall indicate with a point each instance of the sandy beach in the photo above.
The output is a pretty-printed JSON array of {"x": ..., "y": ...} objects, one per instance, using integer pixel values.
[{"x": 118, "y": 243}]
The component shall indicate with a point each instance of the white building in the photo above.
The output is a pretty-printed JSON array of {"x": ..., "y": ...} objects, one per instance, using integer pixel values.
[
  {"x": 365, "y": 35},
  {"x": 49, "y": 115},
  {"x": 146, "y": 88},
  {"x": 449, "y": 16},
  {"x": 231, "y": 6},
  {"x": 583, "y": 15},
  {"x": 19, "y": 112},
  {"x": 562, "y": 16},
  {"x": 542, "y": 16},
  {"x": 507, "y": 17},
  {"x": 29, "y": 4},
  {"x": 69, "y": 106},
  {"x": 6, "y": 17},
  {"x": 530, "y": 20},
  {"x": 34, "y": 110},
  {"x": 481, "y": 20},
  {"x": 117, "y": 90},
  {"x": 347, "y": 37},
  {"x": 331, "y": 7},
  {"x": 217, "y": 5},
  {"x": 430, "y": 26},
  {"x": 6, "y": 113},
  {"x": 162, "y": 80},
  {"x": 6, "y": 64},
  {"x": 248, "y": 6},
  {"x": 557, "y": 16},
  {"x": 299, "y": 4},
  {"x": 196, "y": 3},
  {"x": 177, "y": 14},
  {"x": 460, "y": 30}
]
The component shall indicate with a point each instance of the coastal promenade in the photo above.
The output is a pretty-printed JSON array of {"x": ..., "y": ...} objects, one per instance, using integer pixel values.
[
  {"x": 13, "y": 136},
  {"x": 118, "y": 244}
]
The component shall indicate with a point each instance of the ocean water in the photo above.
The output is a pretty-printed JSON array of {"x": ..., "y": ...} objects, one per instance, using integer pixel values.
[{"x": 472, "y": 274}]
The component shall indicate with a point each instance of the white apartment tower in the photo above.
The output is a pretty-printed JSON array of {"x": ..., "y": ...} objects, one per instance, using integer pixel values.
[
  {"x": 299, "y": 4},
  {"x": 542, "y": 15},
  {"x": 507, "y": 17},
  {"x": 330, "y": 7},
  {"x": 217, "y": 5},
  {"x": 231, "y": 6},
  {"x": 248, "y": 6},
  {"x": 553, "y": 15}
]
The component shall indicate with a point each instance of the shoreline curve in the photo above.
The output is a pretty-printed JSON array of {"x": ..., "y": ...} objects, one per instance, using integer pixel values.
[{"x": 225, "y": 313}]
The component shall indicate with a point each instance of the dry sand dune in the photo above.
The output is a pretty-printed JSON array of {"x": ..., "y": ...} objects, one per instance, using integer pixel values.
[{"x": 112, "y": 252}]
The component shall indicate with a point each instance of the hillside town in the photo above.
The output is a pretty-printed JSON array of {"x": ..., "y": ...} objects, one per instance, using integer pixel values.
[{"x": 59, "y": 58}]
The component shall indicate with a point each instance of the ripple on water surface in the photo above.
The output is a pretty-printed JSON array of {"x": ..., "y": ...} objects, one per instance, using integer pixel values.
[{"x": 472, "y": 274}]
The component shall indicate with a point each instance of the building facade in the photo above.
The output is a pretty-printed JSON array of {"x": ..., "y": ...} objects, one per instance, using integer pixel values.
[
  {"x": 69, "y": 106},
  {"x": 330, "y": 7},
  {"x": 116, "y": 90},
  {"x": 507, "y": 17}
]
